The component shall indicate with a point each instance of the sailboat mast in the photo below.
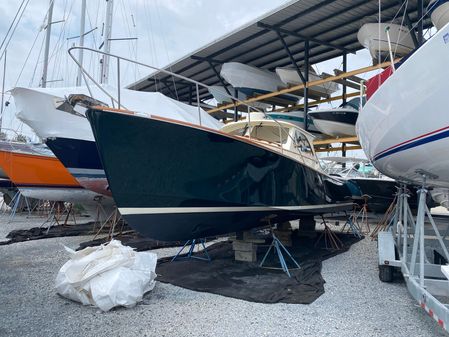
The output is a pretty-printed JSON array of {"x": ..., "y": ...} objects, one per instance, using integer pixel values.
[
  {"x": 107, "y": 41},
  {"x": 81, "y": 43},
  {"x": 47, "y": 44}
]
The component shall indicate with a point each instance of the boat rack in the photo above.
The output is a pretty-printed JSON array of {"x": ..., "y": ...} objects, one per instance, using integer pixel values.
[
  {"x": 416, "y": 247},
  {"x": 325, "y": 145}
]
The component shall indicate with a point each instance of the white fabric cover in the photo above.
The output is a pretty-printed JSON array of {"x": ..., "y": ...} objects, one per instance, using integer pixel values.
[
  {"x": 36, "y": 107},
  {"x": 107, "y": 276},
  {"x": 241, "y": 75}
]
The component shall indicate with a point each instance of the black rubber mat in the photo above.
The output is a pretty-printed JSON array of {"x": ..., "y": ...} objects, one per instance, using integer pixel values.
[{"x": 247, "y": 281}]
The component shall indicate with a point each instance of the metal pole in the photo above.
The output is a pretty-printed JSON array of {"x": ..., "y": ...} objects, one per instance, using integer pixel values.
[
  {"x": 107, "y": 41},
  {"x": 405, "y": 224},
  {"x": 3, "y": 89},
  {"x": 345, "y": 69},
  {"x": 81, "y": 51},
  {"x": 306, "y": 90},
  {"x": 236, "y": 113},
  {"x": 118, "y": 82},
  {"x": 421, "y": 22},
  {"x": 198, "y": 102},
  {"x": 422, "y": 204},
  {"x": 47, "y": 44},
  {"x": 249, "y": 122}
]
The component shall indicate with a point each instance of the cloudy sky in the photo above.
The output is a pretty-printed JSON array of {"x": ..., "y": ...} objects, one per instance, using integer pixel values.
[{"x": 165, "y": 30}]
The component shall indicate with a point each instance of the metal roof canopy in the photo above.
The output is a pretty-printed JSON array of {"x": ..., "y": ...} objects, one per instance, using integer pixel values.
[{"x": 328, "y": 27}]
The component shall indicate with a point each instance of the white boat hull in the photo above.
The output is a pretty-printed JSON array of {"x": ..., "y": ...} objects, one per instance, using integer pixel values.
[
  {"x": 251, "y": 80},
  {"x": 401, "y": 41},
  {"x": 404, "y": 126},
  {"x": 440, "y": 15},
  {"x": 290, "y": 76},
  {"x": 335, "y": 129}
]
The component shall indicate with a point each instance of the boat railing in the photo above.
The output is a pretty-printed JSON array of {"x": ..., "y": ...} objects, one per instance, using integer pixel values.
[{"x": 117, "y": 100}]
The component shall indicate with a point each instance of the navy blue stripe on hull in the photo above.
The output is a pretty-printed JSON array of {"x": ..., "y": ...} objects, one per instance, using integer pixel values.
[{"x": 416, "y": 143}]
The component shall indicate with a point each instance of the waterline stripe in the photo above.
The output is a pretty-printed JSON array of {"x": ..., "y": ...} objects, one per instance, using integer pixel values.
[{"x": 162, "y": 210}]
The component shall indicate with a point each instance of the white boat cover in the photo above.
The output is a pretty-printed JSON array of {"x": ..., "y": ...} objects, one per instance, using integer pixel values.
[
  {"x": 241, "y": 75},
  {"x": 107, "y": 276},
  {"x": 37, "y": 107}
]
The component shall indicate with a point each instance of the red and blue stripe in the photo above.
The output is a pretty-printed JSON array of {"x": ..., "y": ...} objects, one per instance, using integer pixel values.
[{"x": 414, "y": 142}]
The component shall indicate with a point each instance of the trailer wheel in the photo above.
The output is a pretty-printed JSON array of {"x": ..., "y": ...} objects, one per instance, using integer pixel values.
[{"x": 385, "y": 273}]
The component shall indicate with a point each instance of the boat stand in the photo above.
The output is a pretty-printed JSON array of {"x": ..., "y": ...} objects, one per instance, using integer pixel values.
[
  {"x": 16, "y": 202},
  {"x": 192, "y": 244},
  {"x": 352, "y": 226},
  {"x": 278, "y": 247},
  {"x": 412, "y": 241},
  {"x": 331, "y": 240}
]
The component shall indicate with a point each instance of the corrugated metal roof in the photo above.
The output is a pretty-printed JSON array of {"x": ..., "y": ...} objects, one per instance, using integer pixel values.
[{"x": 331, "y": 26}]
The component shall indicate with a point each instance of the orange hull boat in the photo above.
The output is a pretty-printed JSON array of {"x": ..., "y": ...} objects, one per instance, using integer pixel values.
[{"x": 35, "y": 169}]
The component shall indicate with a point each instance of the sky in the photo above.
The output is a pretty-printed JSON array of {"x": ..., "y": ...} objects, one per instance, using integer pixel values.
[{"x": 165, "y": 30}]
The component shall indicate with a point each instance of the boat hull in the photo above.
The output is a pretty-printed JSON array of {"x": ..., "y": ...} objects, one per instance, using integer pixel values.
[
  {"x": 81, "y": 159},
  {"x": 335, "y": 122},
  {"x": 42, "y": 177},
  {"x": 184, "y": 181},
  {"x": 401, "y": 41},
  {"x": 382, "y": 193},
  {"x": 404, "y": 127},
  {"x": 290, "y": 77}
]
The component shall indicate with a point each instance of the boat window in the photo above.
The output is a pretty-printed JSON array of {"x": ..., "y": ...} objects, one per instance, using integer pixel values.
[
  {"x": 302, "y": 143},
  {"x": 270, "y": 133},
  {"x": 240, "y": 132}
]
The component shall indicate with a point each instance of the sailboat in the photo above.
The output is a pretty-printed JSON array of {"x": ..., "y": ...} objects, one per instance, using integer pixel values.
[
  {"x": 404, "y": 126},
  {"x": 173, "y": 180}
]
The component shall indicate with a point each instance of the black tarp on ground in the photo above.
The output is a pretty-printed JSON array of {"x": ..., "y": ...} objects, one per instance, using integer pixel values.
[
  {"x": 247, "y": 281},
  {"x": 128, "y": 237}
]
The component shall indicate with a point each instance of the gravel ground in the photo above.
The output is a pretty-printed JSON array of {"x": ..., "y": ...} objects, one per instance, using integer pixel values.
[{"x": 356, "y": 303}]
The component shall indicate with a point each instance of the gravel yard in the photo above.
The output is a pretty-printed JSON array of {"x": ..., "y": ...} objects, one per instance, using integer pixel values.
[{"x": 356, "y": 303}]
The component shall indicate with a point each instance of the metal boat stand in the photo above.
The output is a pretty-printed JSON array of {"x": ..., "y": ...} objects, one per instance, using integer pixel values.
[
  {"x": 278, "y": 247},
  {"x": 352, "y": 226},
  {"x": 406, "y": 244},
  {"x": 192, "y": 244},
  {"x": 331, "y": 240},
  {"x": 56, "y": 214},
  {"x": 16, "y": 201}
]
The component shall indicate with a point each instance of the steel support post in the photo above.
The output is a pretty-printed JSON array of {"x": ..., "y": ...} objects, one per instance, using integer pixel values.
[
  {"x": 345, "y": 69},
  {"x": 306, "y": 90}
]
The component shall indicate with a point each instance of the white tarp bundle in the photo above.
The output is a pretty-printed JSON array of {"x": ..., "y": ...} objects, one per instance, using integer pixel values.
[{"x": 107, "y": 276}]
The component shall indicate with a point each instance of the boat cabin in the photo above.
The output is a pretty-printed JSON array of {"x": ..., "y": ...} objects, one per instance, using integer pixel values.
[{"x": 278, "y": 135}]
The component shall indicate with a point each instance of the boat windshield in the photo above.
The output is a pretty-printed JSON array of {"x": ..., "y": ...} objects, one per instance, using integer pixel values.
[{"x": 268, "y": 133}]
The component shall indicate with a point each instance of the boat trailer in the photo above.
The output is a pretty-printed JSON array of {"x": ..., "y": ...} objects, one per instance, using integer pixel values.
[{"x": 416, "y": 247}]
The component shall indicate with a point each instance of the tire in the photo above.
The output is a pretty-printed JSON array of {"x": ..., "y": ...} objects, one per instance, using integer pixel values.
[{"x": 385, "y": 273}]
